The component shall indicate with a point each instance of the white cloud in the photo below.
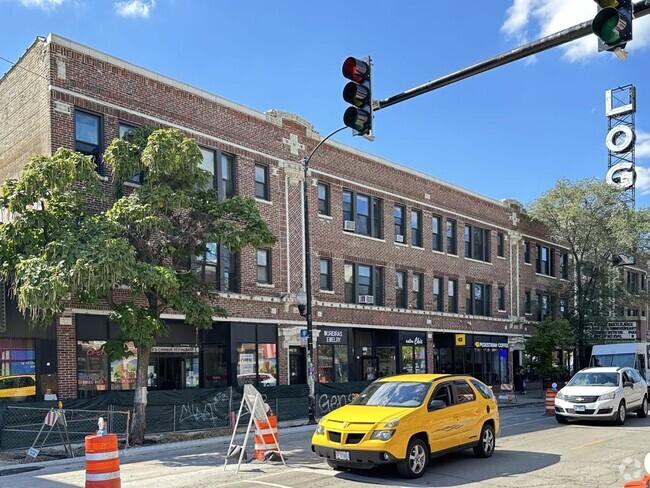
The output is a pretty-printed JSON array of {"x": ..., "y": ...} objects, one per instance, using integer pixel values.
[
  {"x": 642, "y": 184},
  {"x": 42, "y": 4},
  {"x": 540, "y": 18},
  {"x": 135, "y": 8},
  {"x": 642, "y": 145}
]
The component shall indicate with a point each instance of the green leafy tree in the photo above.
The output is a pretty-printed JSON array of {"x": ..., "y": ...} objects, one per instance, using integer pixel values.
[
  {"x": 133, "y": 255},
  {"x": 550, "y": 335},
  {"x": 590, "y": 218}
]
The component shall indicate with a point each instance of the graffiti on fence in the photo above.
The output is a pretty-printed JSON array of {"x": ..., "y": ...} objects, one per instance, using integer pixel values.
[
  {"x": 327, "y": 403},
  {"x": 214, "y": 410}
]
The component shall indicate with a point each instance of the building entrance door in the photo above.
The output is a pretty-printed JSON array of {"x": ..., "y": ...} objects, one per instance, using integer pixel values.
[
  {"x": 171, "y": 373},
  {"x": 369, "y": 368},
  {"x": 297, "y": 360}
]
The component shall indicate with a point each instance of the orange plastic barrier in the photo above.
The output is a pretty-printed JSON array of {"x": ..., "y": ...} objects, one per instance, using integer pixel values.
[
  {"x": 102, "y": 462},
  {"x": 266, "y": 437},
  {"x": 550, "y": 401},
  {"x": 643, "y": 483}
]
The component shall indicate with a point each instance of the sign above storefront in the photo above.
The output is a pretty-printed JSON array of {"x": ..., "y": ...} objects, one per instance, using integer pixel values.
[
  {"x": 479, "y": 345},
  {"x": 333, "y": 336},
  {"x": 460, "y": 339},
  {"x": 617, "y": 331},
  {"x": 181, "y": 349}
]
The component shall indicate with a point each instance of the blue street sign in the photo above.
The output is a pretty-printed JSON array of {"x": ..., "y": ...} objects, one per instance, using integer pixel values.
[{"x": 303, "y": 332}]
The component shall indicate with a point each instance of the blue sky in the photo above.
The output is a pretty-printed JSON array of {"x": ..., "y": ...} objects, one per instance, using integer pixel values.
[{"x": 508, "y": 133}]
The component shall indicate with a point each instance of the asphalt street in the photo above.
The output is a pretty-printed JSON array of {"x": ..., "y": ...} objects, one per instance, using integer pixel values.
[{"x": 533, "y": 450}]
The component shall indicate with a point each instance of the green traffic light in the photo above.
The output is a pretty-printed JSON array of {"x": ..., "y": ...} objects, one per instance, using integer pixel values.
[{"x": 609, "y": 31}]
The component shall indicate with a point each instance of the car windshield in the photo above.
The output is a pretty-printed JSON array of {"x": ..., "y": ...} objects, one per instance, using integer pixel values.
[
  {"x": 393, "y": 394},
  {"x": 594, "y": 379}
]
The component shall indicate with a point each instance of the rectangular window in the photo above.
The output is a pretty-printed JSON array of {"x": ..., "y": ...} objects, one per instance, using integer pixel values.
[
  {"x": 264, "y": 266},
  {"x": 528, "y": 305},
  {"x": 502, "y": 298},
  {"x": 364, "y": 284},
  {"x": 500, "y": 245},
  {"x": 564, "y": 266},
  {"x": 416, "y": 228},
  {"x": 527, "y": 252},
  {"x": 123, "y": 131},
  {"x": 632, "y": 281},
  {"x": 435, "y": 231},
  {"x": 220, "y": 166},
  {"x": 544, "y": 260},
  {"x": 544, "y": 306},
  {"x": 418, "y": 291},
  {"x": 332, "y": 363},
  {"x": 88, "y": 137},
  {"x": 399, "y": 211},
  {"x": 262, "y": 182},
  {"x": 325, "y": 274},
  {"x": 323, "y": 198},
  {"x": 437, "y": 294},
  {"x": 477, "y": 243},
  {"x": 218, "y": 268},
  {"x": 451, "y": 237},
  {"x": 452, "y": 296},
  {"x": 643, "y": 282},
  {"x": 400, "y": 289},
  {"x": 478, "y": 299},
  {"x": 362, "y": 214}
]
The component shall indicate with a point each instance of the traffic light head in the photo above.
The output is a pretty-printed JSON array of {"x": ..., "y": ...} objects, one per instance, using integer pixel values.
[
  {"x": 613, "y": 24},
  {"x": 358, "y": 94}
]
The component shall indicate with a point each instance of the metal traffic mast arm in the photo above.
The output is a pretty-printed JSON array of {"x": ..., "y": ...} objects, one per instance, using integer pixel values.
[{"x": 571, "y": 34}]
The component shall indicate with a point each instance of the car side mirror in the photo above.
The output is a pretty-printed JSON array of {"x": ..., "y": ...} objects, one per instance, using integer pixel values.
[
  {"x": 436, "y": 405},
  {"x": 627, "y": 384}
]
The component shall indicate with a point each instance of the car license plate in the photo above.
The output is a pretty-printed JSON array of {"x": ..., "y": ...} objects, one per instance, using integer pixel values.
[
  {"x": 342, "y": 455},
  {"x": 579, "y": 408}
]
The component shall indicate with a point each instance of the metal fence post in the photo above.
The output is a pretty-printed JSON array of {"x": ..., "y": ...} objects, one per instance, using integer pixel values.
[{"x": 174, "y": 419}]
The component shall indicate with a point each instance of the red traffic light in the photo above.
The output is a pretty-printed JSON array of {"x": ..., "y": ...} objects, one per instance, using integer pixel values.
[{"x": 356, "y": 70}]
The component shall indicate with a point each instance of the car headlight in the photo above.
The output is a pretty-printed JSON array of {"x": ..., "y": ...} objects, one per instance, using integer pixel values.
[
  {"x": 560, "y": 395},
  {"x": 382, "y": 435},
  {"x": 320, "y": 430},
  {"x": 391, "y": 424},
  {"x": 607, "y": 396}
]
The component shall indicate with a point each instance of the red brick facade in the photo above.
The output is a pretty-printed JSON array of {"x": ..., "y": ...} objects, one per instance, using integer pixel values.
[{"x": 41, "y": 120}]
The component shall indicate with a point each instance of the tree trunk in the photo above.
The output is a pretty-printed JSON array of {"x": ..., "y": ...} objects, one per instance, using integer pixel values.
[{"x": 139, "y": 420}]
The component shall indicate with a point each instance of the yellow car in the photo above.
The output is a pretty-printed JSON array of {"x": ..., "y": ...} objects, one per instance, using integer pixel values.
[
  {"x": 17, "y": 386},
  {"x": 408, "y": 418}
]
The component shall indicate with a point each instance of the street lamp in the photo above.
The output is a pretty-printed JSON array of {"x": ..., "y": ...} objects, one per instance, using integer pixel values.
[
  {"x": 304, "y": 309},
  {"x": 303, "y": 297}
]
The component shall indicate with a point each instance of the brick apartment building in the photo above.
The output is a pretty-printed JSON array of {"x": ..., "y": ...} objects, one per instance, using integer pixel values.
[{"x": 410, "y": 273}]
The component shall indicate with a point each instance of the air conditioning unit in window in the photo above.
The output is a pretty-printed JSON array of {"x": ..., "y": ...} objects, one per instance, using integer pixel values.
[
  {"x": 399, "y": 238},
  {"x": 367, "y": 299},
  {"x": 349, "y": 225}
]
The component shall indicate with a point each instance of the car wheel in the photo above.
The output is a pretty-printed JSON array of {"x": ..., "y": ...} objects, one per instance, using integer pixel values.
[
  {"x": 561, "y": 420},
  {"x": 643, "y": 411},
  {"x": 620, "y": 415},
  {"x": 485, "y": 446},
  {"x": 334, "y": 466},
  {"x": 417, "y": 460}
]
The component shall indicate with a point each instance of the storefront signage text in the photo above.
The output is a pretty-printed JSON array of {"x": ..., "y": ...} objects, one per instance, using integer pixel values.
[
  {"x": 621, "y": 330},
  {"x": 414, "y": 340},
  {"x": 182, "y": 349},
  {"x": 490, "y": 344},
  {"x": 333, "y": 336}
]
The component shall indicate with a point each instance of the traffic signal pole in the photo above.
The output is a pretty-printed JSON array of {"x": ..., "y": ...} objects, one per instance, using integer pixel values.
[{"x": 571, "y": 34}]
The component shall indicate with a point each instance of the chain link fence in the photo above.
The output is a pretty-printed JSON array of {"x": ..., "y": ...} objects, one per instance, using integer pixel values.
[{"x": 167, "y": 412}]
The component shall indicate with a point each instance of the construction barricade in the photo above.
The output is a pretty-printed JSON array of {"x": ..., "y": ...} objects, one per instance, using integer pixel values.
[
  {"x": 266, "y": 437},
  {"x": 642, "y": 483},
  {"x": 550, "y": 401},
  {"x": 102, "y": 462}
]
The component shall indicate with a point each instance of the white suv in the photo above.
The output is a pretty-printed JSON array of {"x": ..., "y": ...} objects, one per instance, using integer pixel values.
[{"x": 602, "y": 394}]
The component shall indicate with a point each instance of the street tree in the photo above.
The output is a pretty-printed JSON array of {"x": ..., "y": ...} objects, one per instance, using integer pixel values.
[
  {"x": 549, "y": 336},
  {"x": 66, "y": 240},
  {"x": 592, "y": 220}
]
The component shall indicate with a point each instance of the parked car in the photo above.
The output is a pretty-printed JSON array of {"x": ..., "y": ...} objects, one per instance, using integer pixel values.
[
  {"x": 602, "y": 394},
  {"x": 18, "y": 387},
  {"x": 406, "y": 419}
]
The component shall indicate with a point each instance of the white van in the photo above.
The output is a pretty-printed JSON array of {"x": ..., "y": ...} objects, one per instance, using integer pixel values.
[{"x": 624, "y": 354}]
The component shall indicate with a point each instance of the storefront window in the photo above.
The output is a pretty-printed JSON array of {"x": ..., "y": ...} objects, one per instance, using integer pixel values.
[
  {"x": 173, "y": 367},
  {"x": 414, "y": 359},
  {"x": 341, "y": 363},
  {"x": 17, "y": 356},
  {"x": 92, "y": 368},
  {"x": 216, "y": 366},
  {"x": 325, "y": 364},
  {"x": 387, "y": 361},
  {"x": 267, "y": 364},
  {"x": 123, "y": 371}
]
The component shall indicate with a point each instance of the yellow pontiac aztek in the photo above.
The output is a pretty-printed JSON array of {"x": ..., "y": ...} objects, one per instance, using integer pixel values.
[{"x": 408, "y": 418}]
